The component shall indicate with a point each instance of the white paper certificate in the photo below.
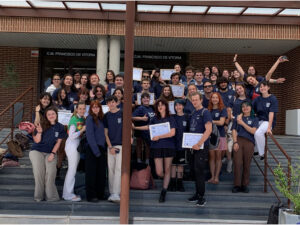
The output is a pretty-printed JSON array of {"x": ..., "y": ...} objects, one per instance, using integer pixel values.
[
  {"x": 165, "y": 74},
  {"x": 190, "y": 139},
  {"x": 137, "y": 74},
  {"x": 105, "y": 109},
  {"x": 159, "y": 129},
  {"x": 139, "y": 101},
  {"x": 172, "y": 108},
  {"x": 178, "y": 90},
  {"x": 64, "y": 117}
]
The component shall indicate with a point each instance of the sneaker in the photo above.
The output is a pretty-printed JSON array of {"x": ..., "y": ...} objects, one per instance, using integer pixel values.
[
  {"x": 110, "y": 198},
  {"x": 115, "y": 198},
  {"x": 201, "y": 202},
  {"x": 255, "y": 153},
  {"x": 229, "y": 166},
  {"x": 194, "y": 198},
  {"x": 74, "y": 199},
  {"x": 262, "y": 157},
  {"x": 236, "y": 189},
  {"x": 245, "y": 189}
]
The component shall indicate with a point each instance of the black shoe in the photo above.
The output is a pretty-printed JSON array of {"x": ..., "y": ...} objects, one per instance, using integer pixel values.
[
  {"x": 201, "y": 202},
  {"x": 172, "y": 185},
  {"x": 180, "y": 186},
  {"x": 236, "y": 189},
  {"x": 94, "y": 200},
  {"x": 103, "y": 197},
  {"x": 245, "y": 189},
  {"x": 262, "y": 157},
  {"x": 194, "y": 198},
  {"x": 255, "y": 153},
  {"x": 162, "y": 197}
]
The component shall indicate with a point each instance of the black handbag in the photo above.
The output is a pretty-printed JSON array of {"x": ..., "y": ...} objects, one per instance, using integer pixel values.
[
  {"x": 273, "y": 213},
  {"x": 83, "y": 144}
]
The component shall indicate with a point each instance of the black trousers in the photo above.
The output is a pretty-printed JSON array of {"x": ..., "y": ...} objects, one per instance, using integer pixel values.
[
  {"x": 200, "y": 161},
  {"x": 95, "y": 174}
]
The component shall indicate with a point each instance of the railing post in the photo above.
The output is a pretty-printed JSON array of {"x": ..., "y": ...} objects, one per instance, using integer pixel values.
[
  {"x": 12, "y": 122},
  {"x": 265, "y": 165},
  {"x": 289, "y": 179},
  {"x": 31, "y": 105}
]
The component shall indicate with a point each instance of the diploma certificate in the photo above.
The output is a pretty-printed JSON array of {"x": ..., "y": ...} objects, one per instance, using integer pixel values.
[
  {"x": 159, "y": 129},
  {"x": 165, "y": 74},
  {"x": 64, "y": 117},
  {"x": 139, "y": 101},
  {"x": 178, "y": 90},
  {"x": 137, "y": 74},
  {"x": 190, "y": 139},
  {"x": 105, "y": 109},
  {"x": 172, "y": 107}
]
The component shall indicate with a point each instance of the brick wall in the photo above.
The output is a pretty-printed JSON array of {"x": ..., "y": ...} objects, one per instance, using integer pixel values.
[
  {"x": 262, "y": 64},
  {"x": 26, "y": 68}
]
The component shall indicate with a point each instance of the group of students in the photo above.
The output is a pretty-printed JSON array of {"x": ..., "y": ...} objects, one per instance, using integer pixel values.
[{"x": 238, "y": 104}]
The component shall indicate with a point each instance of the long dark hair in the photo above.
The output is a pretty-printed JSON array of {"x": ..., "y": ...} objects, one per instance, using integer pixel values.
[
  {"x": 46, "y": 123},
  {"x": 100, "y": 114},
  {"x": 42, "y": 95},
  {"x": 164, "y": 102},
  {"x": 88, "y": 84},
  {"x": 113, "y": 73},
  {"x": 102, "y": 90},
  {"x": 170, "y": 97},
  {"x": 63, "y": 102},
  {"x": 72, "y": 88}
]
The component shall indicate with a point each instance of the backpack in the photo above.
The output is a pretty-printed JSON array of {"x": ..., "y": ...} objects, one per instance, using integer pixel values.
[
  {"x": 14, "y": 148},
  {"x": 214, "y": 138},
  {"x": 22, "y": 140},
  {"x": 141, "y": 179}
]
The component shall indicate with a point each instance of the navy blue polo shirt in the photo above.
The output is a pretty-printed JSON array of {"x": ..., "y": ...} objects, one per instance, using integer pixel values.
[
  {"x": 114, "y": 123},
  {"x": 242, "y": 132},
  {"x": 95, "y": 134},
  {"x": 140, "y": 112},
  {"x": 200, "y": 88},
  {"x": 165, "y": 142},
  {"x": 236, "y": 106},
  {"x": 188, "y": 108},
  {"x": 72, "y": 96},
  {"x": 205, "y": 102},
  {"x": 216, "y": 114},
  {"x": 49, "y": 138},
  {"x": 227, "y": 97},
  {"x": 109, "y": 87},
  {"x": 182, "y": 125},
  {"x": 157, "y": 90},
  {"x": 197, "y": 122},
  {"x": 263, "y": 106}
]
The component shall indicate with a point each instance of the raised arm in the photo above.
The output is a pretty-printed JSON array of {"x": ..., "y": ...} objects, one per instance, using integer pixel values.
[
  {"x": 238, "y": 66},
  {"x": 274, "y": 67}
]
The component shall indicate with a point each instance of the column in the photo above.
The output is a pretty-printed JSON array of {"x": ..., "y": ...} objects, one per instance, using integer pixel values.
[
  {"x": 102, "y": 55},
  {"x": 114, "y": 54}
]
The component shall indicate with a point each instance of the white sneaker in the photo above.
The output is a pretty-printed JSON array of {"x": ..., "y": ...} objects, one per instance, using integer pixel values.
[
  {"x": 116, "y": 198},
  {"x": 74, "y": 199},
  {"x": 229, "y": 166},
  {"x": 110, "y": 198}
]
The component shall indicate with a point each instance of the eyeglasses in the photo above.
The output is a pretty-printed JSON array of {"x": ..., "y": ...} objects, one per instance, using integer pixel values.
[{"x": 209, "y": 86}]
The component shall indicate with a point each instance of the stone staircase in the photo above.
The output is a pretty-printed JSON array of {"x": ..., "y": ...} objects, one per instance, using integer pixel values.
[{"x": 17, "y": 204}]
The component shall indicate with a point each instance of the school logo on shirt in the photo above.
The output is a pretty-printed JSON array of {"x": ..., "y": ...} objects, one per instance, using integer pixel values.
[
  {"x": 119, "y": 120},
  {"x": 249, "y": 122},
  {"x": 257, "y": 89},
  {"x": 56, "y": 134},
  {"x": 71, "y": 99},
  {"x": 151, "y": 114},
  {"x": 217, "y": 114},
  {"x": 268, "y": 104},
  {"x": 229, "y": 96},
  {"x": 184, "y": 123}
]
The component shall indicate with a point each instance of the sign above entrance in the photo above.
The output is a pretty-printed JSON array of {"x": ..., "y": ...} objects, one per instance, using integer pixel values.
[{"x": 70, "y": 54}]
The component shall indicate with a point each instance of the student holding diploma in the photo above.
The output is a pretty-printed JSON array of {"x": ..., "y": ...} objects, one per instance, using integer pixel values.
[
  {"x": 200, "y": 122},
  {"x": 163, "y": 145}
]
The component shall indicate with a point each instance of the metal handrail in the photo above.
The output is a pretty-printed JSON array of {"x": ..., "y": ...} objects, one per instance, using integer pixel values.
[
  {"x": 11, "y": 106},
  {"x": 267, "y": 166}
]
